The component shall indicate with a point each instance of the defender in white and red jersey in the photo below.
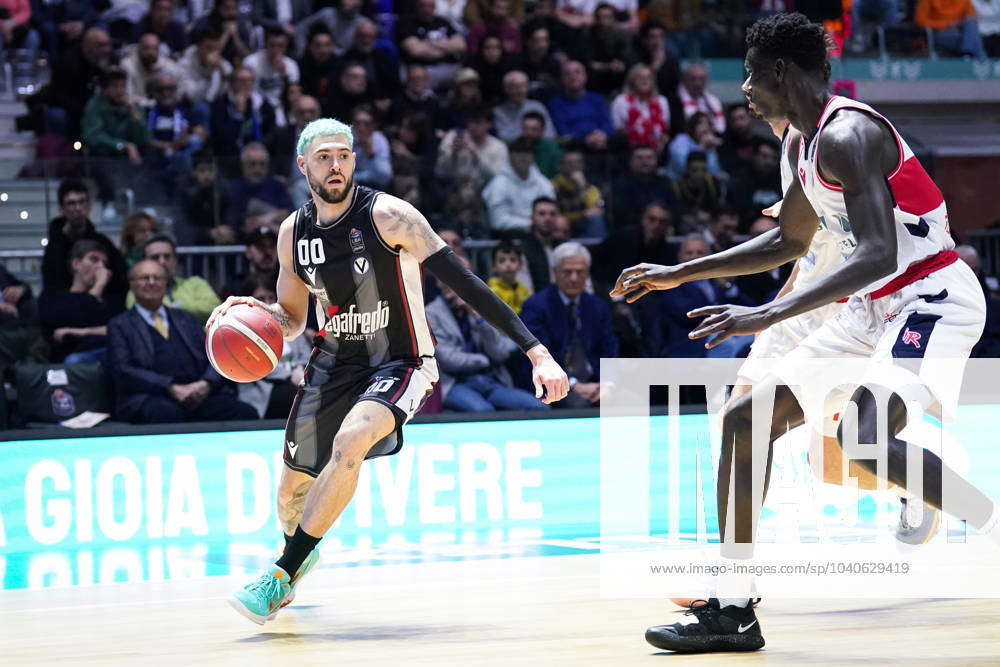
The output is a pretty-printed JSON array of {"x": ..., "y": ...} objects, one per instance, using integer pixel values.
[{"x": 908, "y": 298}]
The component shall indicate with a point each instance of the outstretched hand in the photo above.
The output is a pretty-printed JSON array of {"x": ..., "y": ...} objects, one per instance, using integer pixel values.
[
  {"x": 641, "y": 279},
  {"x": 727, "y": 321}
]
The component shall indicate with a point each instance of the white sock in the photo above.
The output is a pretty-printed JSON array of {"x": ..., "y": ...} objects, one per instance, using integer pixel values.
[{"x": 734, "y": 588}]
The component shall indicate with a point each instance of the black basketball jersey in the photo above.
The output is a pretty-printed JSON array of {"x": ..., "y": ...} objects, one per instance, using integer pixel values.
[{"x": 369, "y": 297}]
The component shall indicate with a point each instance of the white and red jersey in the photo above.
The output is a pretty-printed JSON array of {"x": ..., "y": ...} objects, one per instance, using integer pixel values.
[
  {"x": 922, "y": 235},
  {"x": 823, "y": 254}
]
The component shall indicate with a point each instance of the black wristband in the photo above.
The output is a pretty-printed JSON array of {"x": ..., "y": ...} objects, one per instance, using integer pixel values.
[{"x": 453, "y": 273}]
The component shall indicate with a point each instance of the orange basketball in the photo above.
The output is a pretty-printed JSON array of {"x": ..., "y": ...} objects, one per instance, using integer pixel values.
[{"x": 245, "y": 344}]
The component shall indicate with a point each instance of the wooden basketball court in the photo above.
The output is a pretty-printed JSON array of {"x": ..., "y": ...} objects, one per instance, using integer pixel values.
[{"x": 542, "y": 610}]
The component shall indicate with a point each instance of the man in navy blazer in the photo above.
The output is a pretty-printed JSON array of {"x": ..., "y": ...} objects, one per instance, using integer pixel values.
[
  {"x": 575, "y": 326},
  {"x": 665, "y": 320},
  {"x": 157, "y": 361}
]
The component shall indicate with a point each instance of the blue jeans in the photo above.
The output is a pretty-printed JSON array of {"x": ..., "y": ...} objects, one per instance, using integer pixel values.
[
  {"x": 485, "y": 393},
  {"x": 591, "y": 227},
  {"x": 884, "y": 12},
  {"x": 97, "y": 354},
  {"x": 963, "y": 39}
]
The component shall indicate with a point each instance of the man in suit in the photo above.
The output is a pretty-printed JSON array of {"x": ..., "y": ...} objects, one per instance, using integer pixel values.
[
  {"x": 575, "y": 326},
  {"x": 156, "y": 356},
  {"x": 471, "y": 356},
  {"x": 665, "y": 318}
]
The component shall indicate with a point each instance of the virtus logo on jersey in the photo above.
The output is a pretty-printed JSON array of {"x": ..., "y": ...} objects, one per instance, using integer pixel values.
[{"x": 355, "y": 325}]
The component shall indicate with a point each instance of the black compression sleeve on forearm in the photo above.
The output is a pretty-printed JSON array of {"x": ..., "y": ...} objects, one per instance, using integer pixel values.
[{"x": 450, "y": 270}]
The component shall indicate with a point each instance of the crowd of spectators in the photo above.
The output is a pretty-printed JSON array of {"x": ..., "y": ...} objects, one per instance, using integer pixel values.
[{"x": 567, "y": 131}]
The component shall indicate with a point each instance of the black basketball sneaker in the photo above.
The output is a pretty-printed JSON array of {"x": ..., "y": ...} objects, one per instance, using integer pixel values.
[{"x": 713, "y": 629}]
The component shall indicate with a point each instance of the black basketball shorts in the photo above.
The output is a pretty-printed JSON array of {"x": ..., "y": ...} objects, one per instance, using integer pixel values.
[{"x": 328, "y": 394}]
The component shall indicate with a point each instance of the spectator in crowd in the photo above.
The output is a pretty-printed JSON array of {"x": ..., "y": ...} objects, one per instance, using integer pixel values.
[
  {"x": 508, "y": 115},
  {"x": 235, "y": 29},
  {"x": 240, "y": 116},
  {"x": 202, "y": 70},
  {"x": 464, "y": 96},
  {"x": 581, "y": 202},
  {"x": 626, "y": 14},
  {"x": 75, "y": 80},
  {"x": 281, "y": 144},
  {"x": 112, "y": 126},
  {"x": 262, "y": 263},
  {"x": 652, "y": 51},
  {"x": 318, "y": 66},
  {"x": 609, "y": 51},
  {"x": 342, "y": 20},
  {"x": 61, "y": 24},
  {"x": 472, "y": 153},
  {"x": 737, "y": 146},
  {"x": 273, "y": 395},
  {"x": 74, "y": 321},
  {"x": 192, "y": 294},
  {"x": 510, "y": 194},
  {"x": 177, "y": 130},
  {"x": 16, "y": 31},
  {"x": 136, "y": 230},
  {"x": 259, "y": 199},
  {"x": 18, "y": 317},
  {"x": 142, "y": 64},
  {"x": 579, "y": 113},
  {"x": 206, "y": 202},
  {"x": 475, "y": 11},
  {"x": 695, "y": 97},
  {"x": 645, "y": 242},
  {"x": 665, "y": 316},
  {"x": 575, "y": 326},
  {"x": 631, "y": 193},
  {"x": 507, "y": 263},
  {"x": 431, "y": 41},
  {"x": 378, "y": 62},
  {"x": 72, "y": 225},
  {"x": 762, "y": 287},
  {"x": 373, "y": 157},
  {"x": 493, "y": 64},
  {"x": 273, "y": 70},
  {"x": 158, "y": 363},
  {"x": 696, "y": 194},
  {"x": 498, "y": 22},
  {"x": 954, "y": 24},
  {"x": 548, "y": 155},
  {"x": 721, "y": 231},
  {"x": 759, "y": 185},
  {"x": 699, "y": 136},
  {"x": 576, "y": 14},
  {"x": 159, "y": 21},
  {"x": 353, "y": 90},
  {"x": 283, "y": 16},
  {"x": 471, "y": 355},
  {"x": 988, "y": 17},
  {"x": 538, "y": 62},
  {"x": 640, "y": 111},
  {"x": 548, "y": 229},
  {"x": 416, "y": 96},
  {"x": 413, "y": 162}
]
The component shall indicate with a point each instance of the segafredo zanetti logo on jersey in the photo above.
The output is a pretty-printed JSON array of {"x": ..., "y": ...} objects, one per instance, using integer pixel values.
[{"x": 352, "y": 323}]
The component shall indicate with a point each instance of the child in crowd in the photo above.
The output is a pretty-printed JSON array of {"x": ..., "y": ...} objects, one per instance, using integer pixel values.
[{"x": 507, "y": 262}]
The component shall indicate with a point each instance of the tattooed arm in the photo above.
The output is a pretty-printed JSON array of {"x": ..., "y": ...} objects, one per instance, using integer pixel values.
[
  {"x": 293, "y": 297},
  {"x": 403, "y": 227}
]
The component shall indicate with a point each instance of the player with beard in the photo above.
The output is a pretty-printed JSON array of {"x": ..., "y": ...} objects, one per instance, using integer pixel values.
[{"x": 359, "y": 252}]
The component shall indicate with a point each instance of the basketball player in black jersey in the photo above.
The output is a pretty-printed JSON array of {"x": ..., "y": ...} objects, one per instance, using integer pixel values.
[{"x": 359, "y": 251}]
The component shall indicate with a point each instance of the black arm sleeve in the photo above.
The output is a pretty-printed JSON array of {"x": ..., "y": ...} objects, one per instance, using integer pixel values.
[{"x": 449, "y": 270}]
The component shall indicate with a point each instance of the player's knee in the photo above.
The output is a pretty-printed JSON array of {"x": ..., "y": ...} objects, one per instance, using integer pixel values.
[
  {"x": 350, "y": 448},
  {"x": 737, "y": 419}
]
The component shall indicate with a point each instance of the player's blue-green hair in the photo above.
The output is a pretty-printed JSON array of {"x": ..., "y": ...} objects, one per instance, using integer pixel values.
[{"x": 322, "y": 127}]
